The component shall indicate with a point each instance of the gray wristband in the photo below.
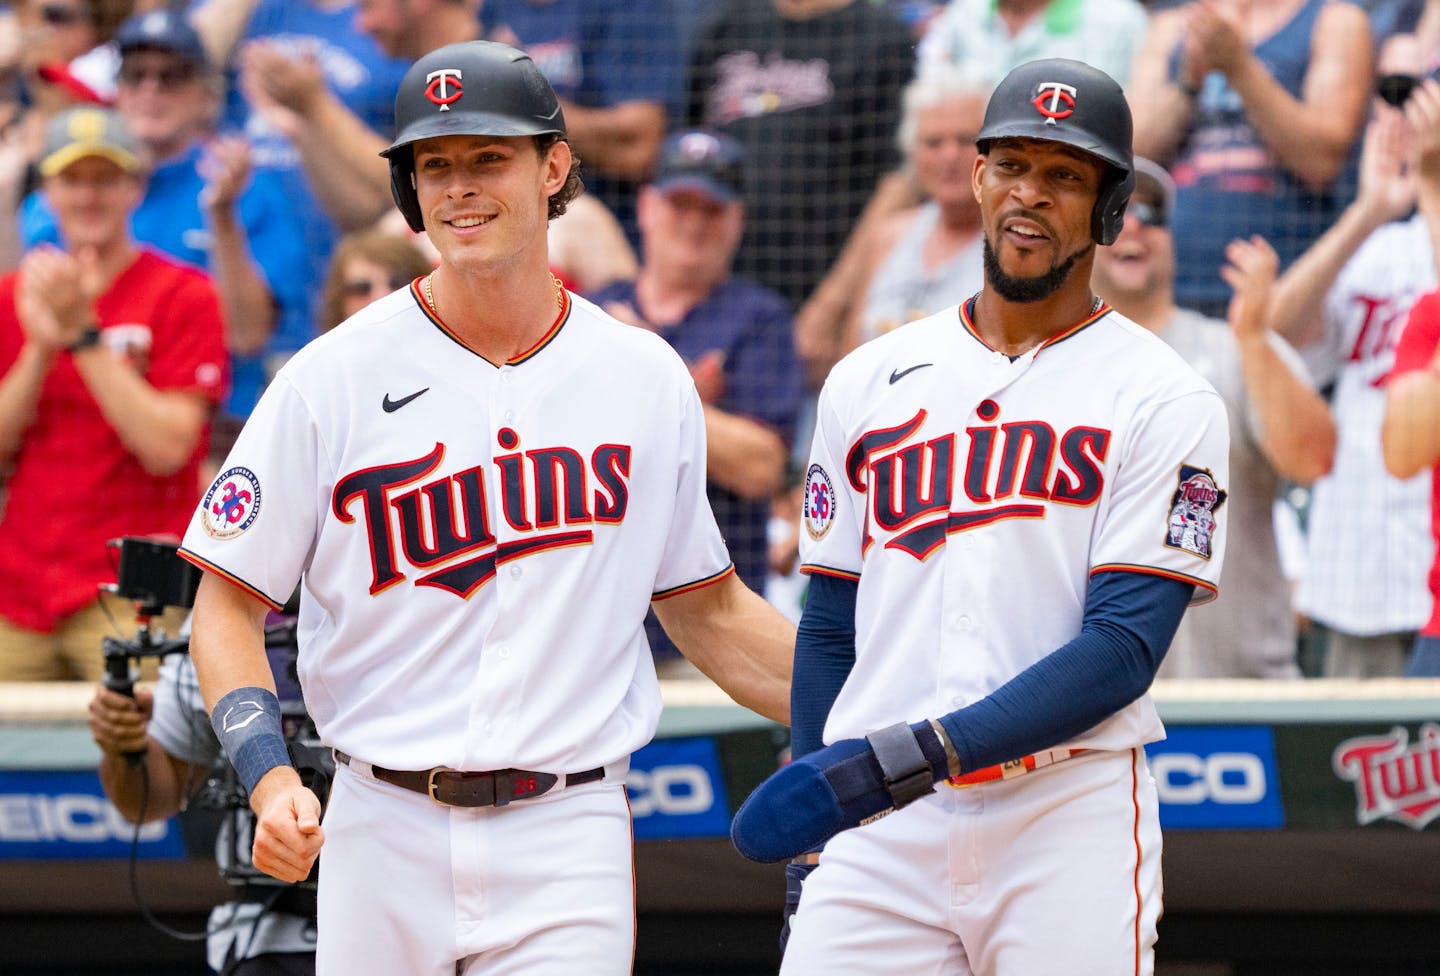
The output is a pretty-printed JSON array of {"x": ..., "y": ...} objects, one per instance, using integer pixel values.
[{"x": 247, "y": 723}]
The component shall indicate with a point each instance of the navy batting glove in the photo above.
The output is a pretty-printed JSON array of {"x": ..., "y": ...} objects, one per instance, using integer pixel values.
[
  {"x": 844, "y": 785},
  {"x": 795, "y": 875}
]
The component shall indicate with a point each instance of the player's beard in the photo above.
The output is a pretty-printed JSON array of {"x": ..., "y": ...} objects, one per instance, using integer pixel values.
[{"x": 1013, "y": 288}]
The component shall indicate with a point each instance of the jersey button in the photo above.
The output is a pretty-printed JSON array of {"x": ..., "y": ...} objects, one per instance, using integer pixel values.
[
  {"x": 516, "y": 572},
  {"x": 963, "y": 622},
  {"x": 509, "y": 415}
]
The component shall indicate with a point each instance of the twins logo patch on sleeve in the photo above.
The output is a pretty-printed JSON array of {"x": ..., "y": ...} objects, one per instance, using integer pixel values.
[
  {"x": 819, "y": 510},
  {"x": 1193, "y": 510},
  {"x": 231, "y": 505}
]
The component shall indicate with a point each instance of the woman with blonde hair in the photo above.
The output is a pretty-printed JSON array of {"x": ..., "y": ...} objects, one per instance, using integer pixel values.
[{"x": 367, "y": 265}]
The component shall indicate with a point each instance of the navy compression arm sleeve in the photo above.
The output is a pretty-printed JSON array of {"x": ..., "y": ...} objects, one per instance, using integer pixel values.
[
  {"x": 824, "y": 655},
  {"x": 1130, "y": 619}
]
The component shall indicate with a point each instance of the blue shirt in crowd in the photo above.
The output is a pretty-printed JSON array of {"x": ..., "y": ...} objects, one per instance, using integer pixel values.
[{"x": 169, "y": 219}]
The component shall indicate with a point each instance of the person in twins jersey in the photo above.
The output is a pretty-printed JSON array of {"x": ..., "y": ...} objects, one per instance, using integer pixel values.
[
  {"x": 1010, "y": 504},
  {"x": 481, "y": 482},
  {"x": 1343, "y": 304}
]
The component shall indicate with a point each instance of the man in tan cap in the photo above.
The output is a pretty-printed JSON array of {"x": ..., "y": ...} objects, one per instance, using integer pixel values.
[{"x": 112, "y": 359}]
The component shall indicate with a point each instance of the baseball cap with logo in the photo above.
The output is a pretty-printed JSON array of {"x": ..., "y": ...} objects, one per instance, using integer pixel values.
[
  {"x": 163, "y": 30},
  {"x": 706, "y": 162},
  {"x": 88, "y": 131}
]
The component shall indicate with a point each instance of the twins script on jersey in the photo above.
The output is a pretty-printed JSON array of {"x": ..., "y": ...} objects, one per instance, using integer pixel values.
[
  {"x": 452, "y": 501},
  {"x": 974, "y": 498}
]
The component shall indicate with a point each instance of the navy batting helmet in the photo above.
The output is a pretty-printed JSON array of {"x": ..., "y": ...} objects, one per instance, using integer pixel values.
[
  {"x": 476, "y": 88},
  {"x": 1073, "y": 103}
]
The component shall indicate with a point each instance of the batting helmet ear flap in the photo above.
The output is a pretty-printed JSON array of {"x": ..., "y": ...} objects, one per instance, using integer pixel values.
[
  {"x": 1108, "y": 217},
  {"x": 402, "y": 188}
]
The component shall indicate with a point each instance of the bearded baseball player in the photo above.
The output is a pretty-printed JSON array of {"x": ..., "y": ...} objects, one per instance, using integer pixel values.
[
  {"x": 481, "y": 483},
  {"x": 1009, "y": 506}
]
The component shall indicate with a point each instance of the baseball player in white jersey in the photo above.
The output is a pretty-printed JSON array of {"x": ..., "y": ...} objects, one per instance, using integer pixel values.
[
  {"x": 481, "y": 482},
  {"x": 1343, "y": 304},
  {"x": 1010, "y": 505}
]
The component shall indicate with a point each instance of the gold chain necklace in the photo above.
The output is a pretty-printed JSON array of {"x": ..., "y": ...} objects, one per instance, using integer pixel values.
[{"x": 429, "y": 294}]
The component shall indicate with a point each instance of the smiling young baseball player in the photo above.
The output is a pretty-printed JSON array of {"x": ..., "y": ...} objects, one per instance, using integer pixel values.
[
  {"x": 481, "y": 482},
  {"x": 1009, "y": 506}
]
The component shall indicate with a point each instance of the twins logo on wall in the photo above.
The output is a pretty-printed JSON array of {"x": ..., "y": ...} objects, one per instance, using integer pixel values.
[{"x": 1394, "y": 780}]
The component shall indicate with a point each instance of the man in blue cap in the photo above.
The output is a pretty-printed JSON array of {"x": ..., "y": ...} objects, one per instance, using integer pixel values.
[
  {"x": 736, "y": 336},
  {"x": 203, "y": 204}
]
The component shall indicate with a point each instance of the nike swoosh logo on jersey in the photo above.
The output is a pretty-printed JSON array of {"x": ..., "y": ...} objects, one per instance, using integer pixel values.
[
  {"x": 235, "y": 726},
  {"x": 390, "y": 406},
  {"x": 899, "y": 374}
]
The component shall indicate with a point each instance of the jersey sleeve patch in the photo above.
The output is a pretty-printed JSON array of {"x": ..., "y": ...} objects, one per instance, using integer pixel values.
[
  {"x": 818, "y": 513},
  {"x": 231, "y": 505},
  {"x": 1194, "y": 511}
]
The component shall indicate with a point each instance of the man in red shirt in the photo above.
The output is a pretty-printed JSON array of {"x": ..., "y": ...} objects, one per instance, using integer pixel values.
[{"x": 113, "y": 360}]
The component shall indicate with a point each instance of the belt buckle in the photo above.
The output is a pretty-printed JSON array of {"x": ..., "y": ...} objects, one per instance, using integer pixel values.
[
  {"x": 495, "y": 788},
  {"x": 432, "y": 787},
  {"x": 462, "y": 794}
]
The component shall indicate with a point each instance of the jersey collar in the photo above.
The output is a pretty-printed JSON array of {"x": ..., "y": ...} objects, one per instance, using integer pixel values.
[
  {"x": 967, "y": 321},
  {"x": 554, "y": 330}
]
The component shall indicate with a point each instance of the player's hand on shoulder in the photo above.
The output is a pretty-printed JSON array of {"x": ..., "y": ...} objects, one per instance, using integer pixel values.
[
  {"x": 288, "y": 834},
  {"x": 118, "y": 723}
]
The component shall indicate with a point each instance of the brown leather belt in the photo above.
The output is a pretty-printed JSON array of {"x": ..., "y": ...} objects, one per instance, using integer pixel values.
[{"x": 457, "y": 788}]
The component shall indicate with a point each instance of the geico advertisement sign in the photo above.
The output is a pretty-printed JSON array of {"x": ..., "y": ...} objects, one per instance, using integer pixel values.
[
  {"x": 1217, "y": 777},
  {"x": 65, "y": 815},
  {"x": 676, "y": 790}
]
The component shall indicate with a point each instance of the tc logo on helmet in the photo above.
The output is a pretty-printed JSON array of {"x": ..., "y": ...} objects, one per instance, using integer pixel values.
[
  {"x": 444, "y": 88},
  {"x": 1054, "y": 101}
]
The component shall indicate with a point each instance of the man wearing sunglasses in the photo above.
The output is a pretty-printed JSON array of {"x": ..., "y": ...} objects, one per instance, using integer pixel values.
[
  {"x": 203, "y": 203},
  {"x": 1344, "y": 304},
  {"x": 1280, "y": 428}
]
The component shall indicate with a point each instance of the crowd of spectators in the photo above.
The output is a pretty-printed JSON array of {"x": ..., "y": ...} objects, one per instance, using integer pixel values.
[{"x": 770, "y": 183}]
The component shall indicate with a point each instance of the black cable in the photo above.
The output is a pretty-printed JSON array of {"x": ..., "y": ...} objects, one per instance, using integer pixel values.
[
  {"x": 144, "y": 908},
  {"x": 134, "y": 872}
]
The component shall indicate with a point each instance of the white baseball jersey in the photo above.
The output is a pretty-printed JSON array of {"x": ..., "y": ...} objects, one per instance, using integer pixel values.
[
  {"x": 478, "y": 545},
  {"x": 974, "y": 496},
  {"x": 1369, "y": 540}
]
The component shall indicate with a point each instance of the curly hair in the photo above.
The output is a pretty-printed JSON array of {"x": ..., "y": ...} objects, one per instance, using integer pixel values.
[{"x": 574, "y": 185}]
